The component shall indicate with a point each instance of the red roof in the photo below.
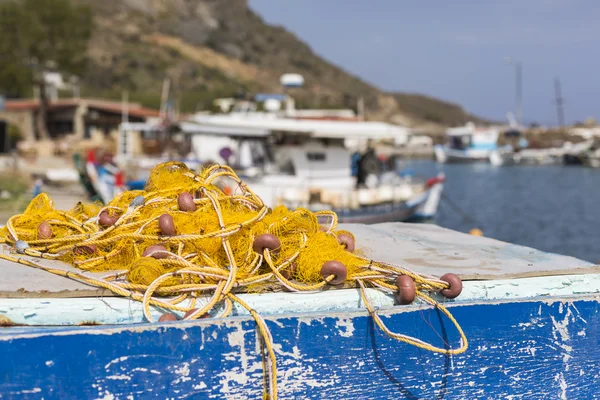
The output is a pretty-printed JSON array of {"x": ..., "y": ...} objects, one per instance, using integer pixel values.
[{"x": 134, "y": 109}]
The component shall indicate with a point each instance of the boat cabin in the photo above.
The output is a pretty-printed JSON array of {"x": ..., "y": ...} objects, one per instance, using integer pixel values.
[{"x": 470, "y": 137}]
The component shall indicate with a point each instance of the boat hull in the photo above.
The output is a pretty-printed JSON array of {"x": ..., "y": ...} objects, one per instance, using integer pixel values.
[
  {"x": 544, "y": 348},
  {"x": 447, "y": 155},
  {"x": 420, "y": 207}
]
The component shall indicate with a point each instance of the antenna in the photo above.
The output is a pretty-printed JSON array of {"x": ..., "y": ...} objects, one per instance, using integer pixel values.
[{"x": 559, "y": 101}]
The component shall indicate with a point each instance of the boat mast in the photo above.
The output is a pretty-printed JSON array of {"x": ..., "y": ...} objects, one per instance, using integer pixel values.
[
  {"x": 164, "y": 98},
  {"x": 559, "y": 101}
]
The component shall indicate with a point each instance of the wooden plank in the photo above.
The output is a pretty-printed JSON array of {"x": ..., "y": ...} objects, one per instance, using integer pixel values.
[{"x": 519, "y": 350}]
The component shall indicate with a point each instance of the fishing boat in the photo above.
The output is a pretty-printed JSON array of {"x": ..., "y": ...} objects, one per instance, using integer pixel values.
[
  {"x": 304, "y": 163},
  {"x": 470, "y": 144},
  {"x": 592, "y": 158},
  {"x": 532, "y": 320}
]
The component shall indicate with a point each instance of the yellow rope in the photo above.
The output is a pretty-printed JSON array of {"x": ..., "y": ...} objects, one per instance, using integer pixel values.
[
  {"x": 409, "y": 339},
  {"x": 205, "y": 250}
]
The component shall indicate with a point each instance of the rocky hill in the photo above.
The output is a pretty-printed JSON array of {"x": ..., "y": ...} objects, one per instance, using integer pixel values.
[{"x": 212, "y": 48}]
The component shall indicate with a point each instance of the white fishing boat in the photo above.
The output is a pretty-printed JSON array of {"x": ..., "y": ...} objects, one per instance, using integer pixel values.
[
  {"x": 304, "y": 163},
  {"x": 470, "y": 144}
]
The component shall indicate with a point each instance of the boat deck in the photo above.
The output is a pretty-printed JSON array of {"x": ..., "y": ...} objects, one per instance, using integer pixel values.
[
  {"x": 532, "y": 320},
  {"x": 490, "y": 269}
]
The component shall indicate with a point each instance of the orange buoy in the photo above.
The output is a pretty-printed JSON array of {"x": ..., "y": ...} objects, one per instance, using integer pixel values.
[{"x": 476, "y": 232}]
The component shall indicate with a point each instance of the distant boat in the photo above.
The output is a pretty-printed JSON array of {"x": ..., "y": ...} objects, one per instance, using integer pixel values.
[
  {"x": 591, "y": 158},
  {"x": 305, "y": 163},
  {"x": 470, "y": 144}
]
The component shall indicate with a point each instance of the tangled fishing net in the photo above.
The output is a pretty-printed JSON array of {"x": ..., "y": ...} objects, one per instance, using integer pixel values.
[{"x": 189, "y": 236}]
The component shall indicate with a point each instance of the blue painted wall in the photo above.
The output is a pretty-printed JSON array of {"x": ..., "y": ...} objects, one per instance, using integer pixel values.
[{"x": 531, "y": 350}]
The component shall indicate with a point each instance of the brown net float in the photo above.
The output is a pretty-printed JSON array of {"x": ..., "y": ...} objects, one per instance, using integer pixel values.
[
  {"x": 185, "y": 201},
  {"x": 106, "y": 218},
  {"x": 44, "y": 231},
  {"x": 157, "y": 251},
  {"x": 166, "y": 317},
  {"x": 166, "y": 225},
  {"x": 266, "y": 241},
  {"x": 347, "y": 240},
  {"x": 455, "y": 285},
  {"x": 85, "y": 250},
  {"x": 407, "y": 290},
  {"x": 335, "y": 269}
]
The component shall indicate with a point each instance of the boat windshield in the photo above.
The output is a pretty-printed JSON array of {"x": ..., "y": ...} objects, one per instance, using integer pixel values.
[{"x": 460, "y": 142}]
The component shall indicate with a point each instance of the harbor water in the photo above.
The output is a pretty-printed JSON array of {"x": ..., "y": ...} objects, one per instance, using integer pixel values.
[{"x": 550, "y": 208}]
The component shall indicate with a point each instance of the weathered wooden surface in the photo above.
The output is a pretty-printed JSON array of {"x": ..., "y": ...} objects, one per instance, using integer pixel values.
[
  {"x": 427, "y": 249},
  {"x": 518, "y": 350}
]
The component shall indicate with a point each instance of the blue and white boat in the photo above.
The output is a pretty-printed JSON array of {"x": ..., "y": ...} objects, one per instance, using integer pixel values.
[
  {"x": 532, "y": 320},
  {"x": 470, "y": 144}
]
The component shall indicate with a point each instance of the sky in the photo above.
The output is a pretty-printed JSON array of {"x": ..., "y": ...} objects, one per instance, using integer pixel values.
[{"x": 456, "y": 50}]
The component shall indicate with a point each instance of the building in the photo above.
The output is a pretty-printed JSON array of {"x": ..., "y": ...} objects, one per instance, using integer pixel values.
[{"x": 78, "y": 119}]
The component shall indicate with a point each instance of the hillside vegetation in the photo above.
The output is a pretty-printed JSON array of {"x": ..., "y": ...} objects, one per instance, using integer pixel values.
[{"x": 212, "y": 48}]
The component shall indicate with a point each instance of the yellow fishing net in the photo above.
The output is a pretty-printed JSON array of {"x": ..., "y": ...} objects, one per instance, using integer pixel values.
[{"x": 207, "y": 235}]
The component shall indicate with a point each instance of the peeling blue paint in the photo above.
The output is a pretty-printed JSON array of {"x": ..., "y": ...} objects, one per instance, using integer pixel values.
[{"x": 524, "y": 349}]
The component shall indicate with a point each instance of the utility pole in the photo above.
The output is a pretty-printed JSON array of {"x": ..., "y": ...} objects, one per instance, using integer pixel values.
[{"x": 559, "y": 101}]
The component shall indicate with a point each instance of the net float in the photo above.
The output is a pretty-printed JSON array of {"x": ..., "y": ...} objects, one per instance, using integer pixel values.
[
  {"x": 167, "y": 317},
  {"x": 287, "y": 273},
  {"x": 347, "y": 241},
  {"x": 335, "y": 268},
  {"x": 85, "y": 250},
  {"x": 407, "y": 289},
  {"x": 166, "y": 225},
  {"x": 266, "y": 241},
  {"x": 185, "y": 201},
  {"x": 455, "y": 285},
  {"x": 44, "y": 230},
  {"x": 157, "y": 251},
  {"x": 107, "y": 220}
]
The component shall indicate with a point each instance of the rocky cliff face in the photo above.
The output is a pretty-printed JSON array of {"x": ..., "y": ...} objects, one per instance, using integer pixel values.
[{"x": 215, "y": 48}]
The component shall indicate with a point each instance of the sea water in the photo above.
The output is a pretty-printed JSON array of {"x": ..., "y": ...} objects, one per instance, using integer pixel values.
[{"x": 550, "y": 208}]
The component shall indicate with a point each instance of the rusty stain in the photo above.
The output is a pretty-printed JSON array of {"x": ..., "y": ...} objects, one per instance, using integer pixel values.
[
  {"x": 89, "y": 323},
  {"x": 5, "y": 321}
]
